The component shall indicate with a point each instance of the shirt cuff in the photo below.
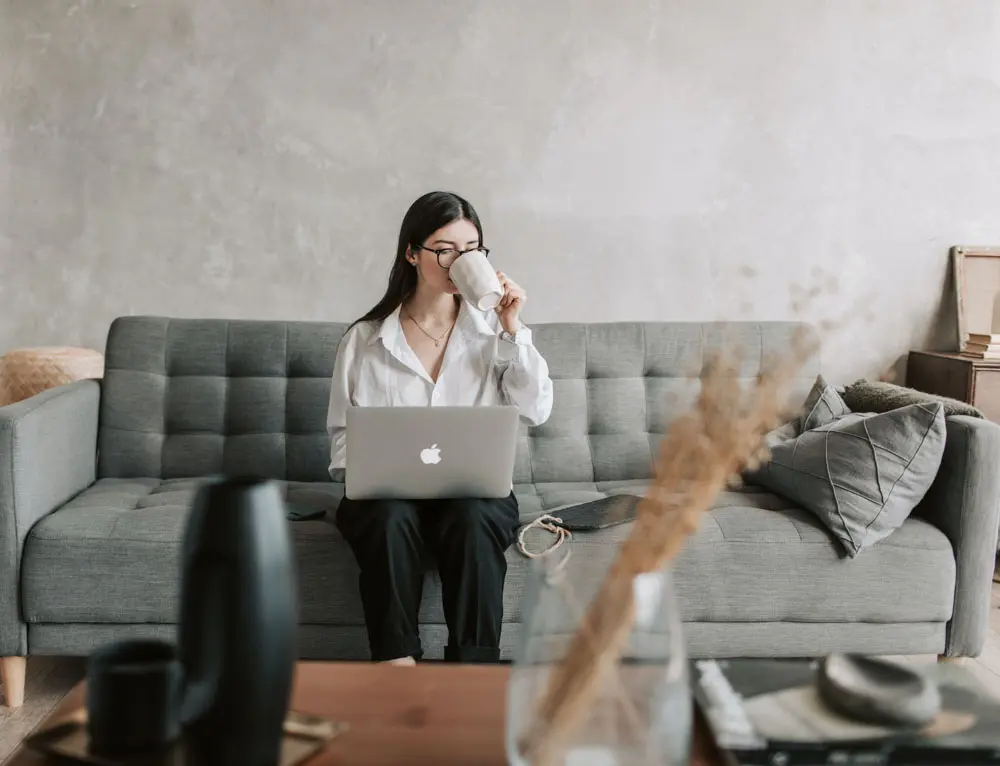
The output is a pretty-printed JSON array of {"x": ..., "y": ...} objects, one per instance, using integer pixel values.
[{"x": 508, "y": 345}]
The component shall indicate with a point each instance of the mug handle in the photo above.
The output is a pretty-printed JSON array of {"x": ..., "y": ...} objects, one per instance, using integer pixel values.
[{"x": 202, "y": 673}]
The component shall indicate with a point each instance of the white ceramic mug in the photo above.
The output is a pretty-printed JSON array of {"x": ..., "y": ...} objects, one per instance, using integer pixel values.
[{"x": 476, "y": 279}]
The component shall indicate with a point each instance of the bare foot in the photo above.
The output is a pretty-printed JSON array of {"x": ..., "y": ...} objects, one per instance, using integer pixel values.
[{"x": 402, "y": 662}]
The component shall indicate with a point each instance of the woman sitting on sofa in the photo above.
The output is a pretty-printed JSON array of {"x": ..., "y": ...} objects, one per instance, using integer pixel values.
[{"x": 423, "y": 343}]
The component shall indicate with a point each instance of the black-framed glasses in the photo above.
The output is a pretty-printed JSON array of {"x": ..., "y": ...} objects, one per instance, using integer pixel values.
[{"x": 447, "y": 257}]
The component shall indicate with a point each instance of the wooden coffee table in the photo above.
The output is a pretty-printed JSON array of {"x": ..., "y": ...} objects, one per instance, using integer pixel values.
[{"x": 429, "y": 715}]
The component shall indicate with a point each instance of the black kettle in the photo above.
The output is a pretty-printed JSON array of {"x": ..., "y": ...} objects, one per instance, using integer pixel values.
[{"x": 238, "y": 623}]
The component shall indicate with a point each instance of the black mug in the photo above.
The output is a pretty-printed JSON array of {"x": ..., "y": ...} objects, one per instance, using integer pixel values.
[{"x": 134, "y": 690}]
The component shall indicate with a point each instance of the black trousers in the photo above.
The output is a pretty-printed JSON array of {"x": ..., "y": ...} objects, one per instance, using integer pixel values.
[{"x": 467, "y": 537}]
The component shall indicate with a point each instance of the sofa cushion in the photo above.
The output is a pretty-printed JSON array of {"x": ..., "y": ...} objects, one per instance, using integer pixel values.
[
  {"x": 862, "y": 474},
  {"x": 112, "y": 555}
]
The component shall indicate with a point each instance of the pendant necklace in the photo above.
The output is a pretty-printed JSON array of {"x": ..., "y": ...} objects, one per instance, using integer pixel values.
[{"x": 437, "y": 341}]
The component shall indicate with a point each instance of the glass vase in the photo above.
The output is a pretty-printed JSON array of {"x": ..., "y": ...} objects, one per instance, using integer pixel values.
[{"x": 642, "y": 710}]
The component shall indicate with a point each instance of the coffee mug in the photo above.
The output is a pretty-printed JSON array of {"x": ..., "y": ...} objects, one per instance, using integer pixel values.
[
  {"x": 134, "y": 690},
  {"x": 476, "y": 280}
]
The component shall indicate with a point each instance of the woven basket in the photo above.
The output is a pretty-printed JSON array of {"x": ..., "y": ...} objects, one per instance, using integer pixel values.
[{"x": 27, "y": 371}]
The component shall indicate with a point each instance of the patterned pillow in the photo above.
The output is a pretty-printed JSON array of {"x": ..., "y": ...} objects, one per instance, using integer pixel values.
[{"x": 861, "y": 474}]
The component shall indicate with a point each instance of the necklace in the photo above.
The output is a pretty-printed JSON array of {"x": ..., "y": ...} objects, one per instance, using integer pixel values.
[{"x": 437, "y": 341}]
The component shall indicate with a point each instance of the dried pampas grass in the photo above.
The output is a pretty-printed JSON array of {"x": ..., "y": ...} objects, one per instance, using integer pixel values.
[{"x": 721, "y": 435}]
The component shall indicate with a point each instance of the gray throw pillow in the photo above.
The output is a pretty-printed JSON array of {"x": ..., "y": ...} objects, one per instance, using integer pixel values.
[
  {"x": 861, "y": 474},
  {"x": 822, "y": 404}
]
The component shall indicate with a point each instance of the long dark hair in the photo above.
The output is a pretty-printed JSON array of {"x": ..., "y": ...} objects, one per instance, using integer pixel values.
[{"x": 425, "y": 216}]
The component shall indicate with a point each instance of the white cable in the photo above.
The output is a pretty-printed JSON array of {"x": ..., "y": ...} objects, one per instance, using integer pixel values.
[{"x": 551, "y": 524}]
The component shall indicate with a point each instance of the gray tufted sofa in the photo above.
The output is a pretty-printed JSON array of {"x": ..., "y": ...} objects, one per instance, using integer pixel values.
[{"x": 96, "y": 481}]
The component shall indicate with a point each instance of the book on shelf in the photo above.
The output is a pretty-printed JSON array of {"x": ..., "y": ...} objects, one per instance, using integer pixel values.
[
  {"x": 982, "y": 349},
  {"x": 984, "y": 338},
  {"x": 976, "y": 353}
]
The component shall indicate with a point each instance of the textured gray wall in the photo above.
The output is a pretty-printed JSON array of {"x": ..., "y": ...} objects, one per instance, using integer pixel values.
[{"x": 672, "y": 159}]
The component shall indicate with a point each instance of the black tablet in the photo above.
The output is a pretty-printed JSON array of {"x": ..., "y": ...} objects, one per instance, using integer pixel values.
[{"x": 599, "y": 514}]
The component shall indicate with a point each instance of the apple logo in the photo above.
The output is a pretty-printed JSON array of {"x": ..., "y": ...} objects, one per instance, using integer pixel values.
[{"x": 431, "y": 455}]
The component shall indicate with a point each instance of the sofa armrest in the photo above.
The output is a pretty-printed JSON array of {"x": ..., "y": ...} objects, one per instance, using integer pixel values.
[
  {"x": 964, "y": 503},
  {"x": 48, "y": 451}
]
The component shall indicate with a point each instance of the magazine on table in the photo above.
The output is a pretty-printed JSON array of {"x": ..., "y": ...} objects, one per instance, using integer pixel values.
[{"x": 762, "y": 711}]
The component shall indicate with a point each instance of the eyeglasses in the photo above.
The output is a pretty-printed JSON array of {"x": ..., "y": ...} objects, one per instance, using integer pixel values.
[{"x": 447, "y": 257}]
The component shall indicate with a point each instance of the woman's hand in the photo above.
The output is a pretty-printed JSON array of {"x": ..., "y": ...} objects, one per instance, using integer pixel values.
[{"x": 509, "y": 308}]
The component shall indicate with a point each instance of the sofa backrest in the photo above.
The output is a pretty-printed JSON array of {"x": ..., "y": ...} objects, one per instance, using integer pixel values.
[{"x": 195, "y": 397}]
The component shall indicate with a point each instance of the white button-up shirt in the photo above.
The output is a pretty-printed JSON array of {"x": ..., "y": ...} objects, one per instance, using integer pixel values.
[{"x": 375, "y": 367}]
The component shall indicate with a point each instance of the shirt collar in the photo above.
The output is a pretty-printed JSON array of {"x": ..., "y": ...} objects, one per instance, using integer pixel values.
[{"x": 389, "y": 330}]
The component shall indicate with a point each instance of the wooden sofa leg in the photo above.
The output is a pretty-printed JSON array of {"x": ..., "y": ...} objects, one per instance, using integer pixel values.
[
  {"x": 951, "y": 660},
  {"x": 12, "y": 672}
]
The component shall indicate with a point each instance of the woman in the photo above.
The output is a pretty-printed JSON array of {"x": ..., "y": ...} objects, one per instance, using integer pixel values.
[{"x": 422, "y": 345}]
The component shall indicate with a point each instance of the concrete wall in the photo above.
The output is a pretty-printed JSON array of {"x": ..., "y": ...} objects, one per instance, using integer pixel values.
[{"x": 664, "y": 159}]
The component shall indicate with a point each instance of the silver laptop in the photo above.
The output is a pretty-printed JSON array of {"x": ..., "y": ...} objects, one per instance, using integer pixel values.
[{"x": 419, "y": 453}]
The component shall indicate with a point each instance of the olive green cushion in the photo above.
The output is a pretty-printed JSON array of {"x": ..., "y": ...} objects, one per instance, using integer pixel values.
[{"x": 879, "y": 396}]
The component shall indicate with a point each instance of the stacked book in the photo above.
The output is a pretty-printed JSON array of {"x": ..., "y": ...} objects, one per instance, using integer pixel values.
[{"x": 980, "y": 346}]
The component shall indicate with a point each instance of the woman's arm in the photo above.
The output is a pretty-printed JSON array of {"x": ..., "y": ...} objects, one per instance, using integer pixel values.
[
  {"x": 340, "y": 400},
  {"x": 524, "y": 376}
]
